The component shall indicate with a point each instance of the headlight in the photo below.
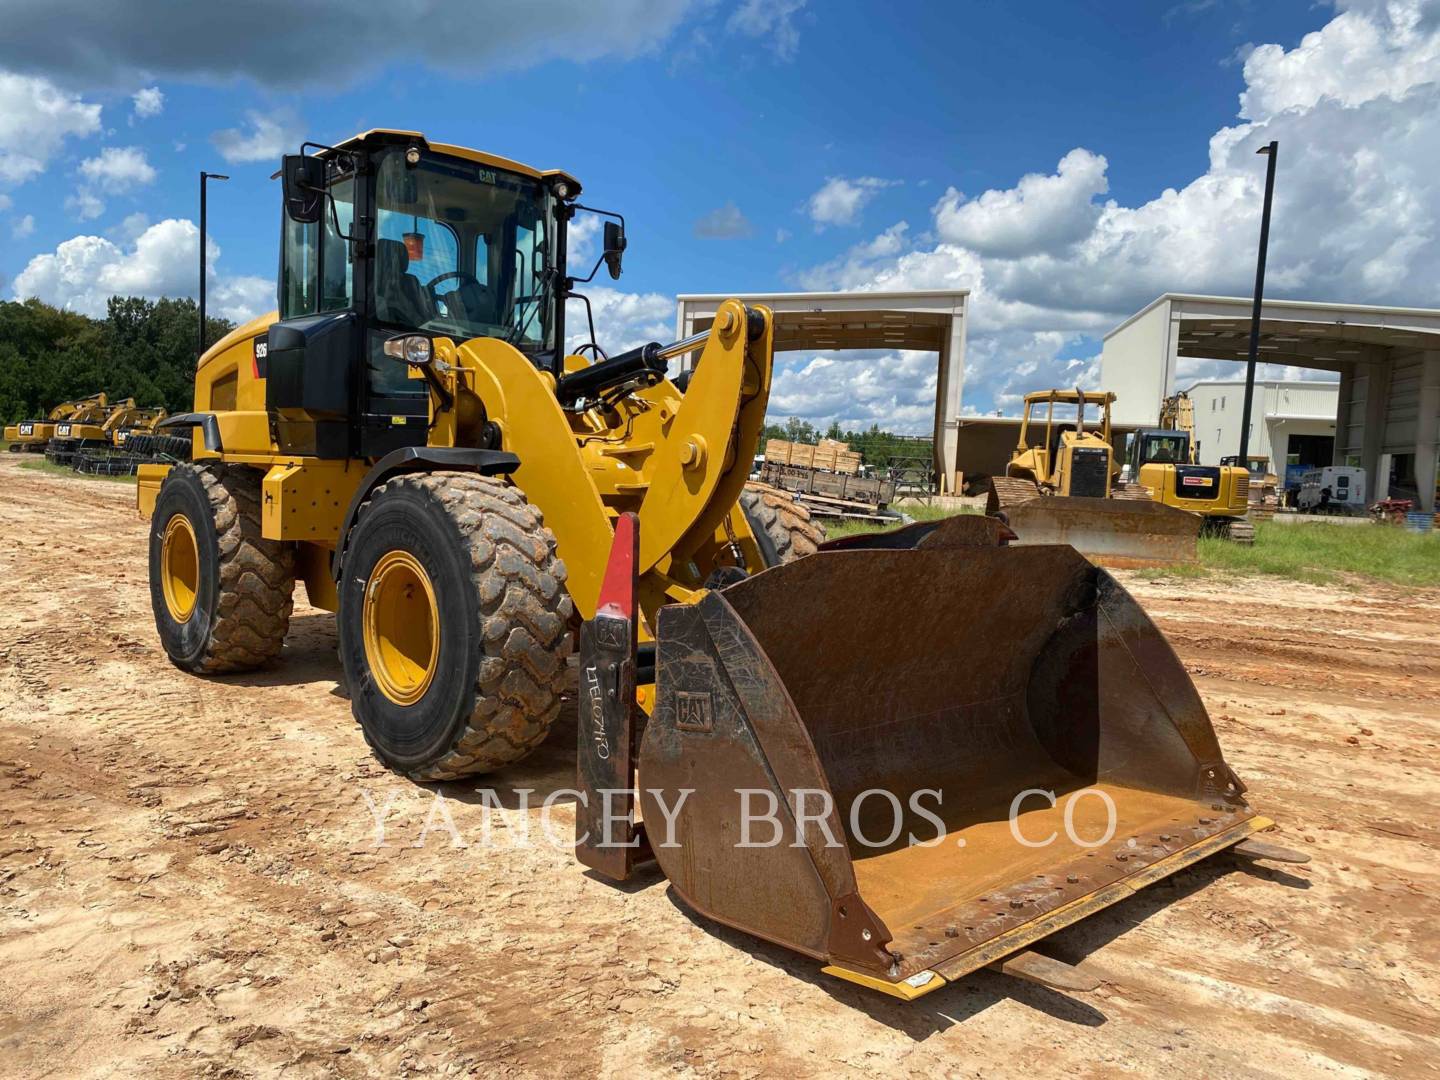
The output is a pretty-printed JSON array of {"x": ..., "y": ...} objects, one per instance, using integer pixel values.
[{"x": 412, "y": 348}]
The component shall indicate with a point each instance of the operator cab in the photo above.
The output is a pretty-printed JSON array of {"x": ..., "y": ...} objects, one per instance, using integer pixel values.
[
  {"x": 1160, "y": 447},
  {"x": 387, "y": 237}
]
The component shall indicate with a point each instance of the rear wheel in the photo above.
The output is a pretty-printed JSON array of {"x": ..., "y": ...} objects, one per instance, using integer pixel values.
[
  {"x": 453, "y": 624},
  {"x": 221, "y": 592},
  {"x": 784, "y": 530}
]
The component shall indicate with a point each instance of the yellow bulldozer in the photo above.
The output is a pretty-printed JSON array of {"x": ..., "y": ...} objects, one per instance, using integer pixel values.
[
  {"x": 906, "y": 756},
  {"x": 1062, "y": 486},
  {"x": 34, "y": 436},
  {"x": 1166, "y": 461}
]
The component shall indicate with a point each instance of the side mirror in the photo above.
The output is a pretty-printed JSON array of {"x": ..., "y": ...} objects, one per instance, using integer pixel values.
[
  {"x": 614, "y": 247},
  {"x": 303, "y": 179}
]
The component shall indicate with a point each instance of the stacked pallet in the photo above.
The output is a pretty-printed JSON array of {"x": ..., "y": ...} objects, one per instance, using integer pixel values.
[{"x": 830, "y": 456}]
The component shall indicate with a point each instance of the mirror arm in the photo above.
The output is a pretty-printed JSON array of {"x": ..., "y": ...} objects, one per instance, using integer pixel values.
[{"x": 596, "y": 268}]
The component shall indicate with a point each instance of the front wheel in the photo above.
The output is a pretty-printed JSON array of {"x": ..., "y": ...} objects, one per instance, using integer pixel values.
[
  {"x": 220, "y": 591},
  {"x": 784, "y": 530},
  {"x": 453, "y": 624}
]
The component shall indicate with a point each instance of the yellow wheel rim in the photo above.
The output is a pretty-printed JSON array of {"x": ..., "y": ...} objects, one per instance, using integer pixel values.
[
  {"x": 180, "y": 567},
  {"x": 402, "y": 627}
]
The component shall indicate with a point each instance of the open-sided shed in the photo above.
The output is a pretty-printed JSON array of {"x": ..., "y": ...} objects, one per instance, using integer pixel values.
[
  {"x": 1388, "y": 358},
  {"x": 932, "y": 321}
]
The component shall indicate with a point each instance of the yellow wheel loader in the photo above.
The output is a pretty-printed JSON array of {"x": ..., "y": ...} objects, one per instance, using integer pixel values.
[
  {"x": 1166, "y": 460},
  {"x": 34, "y": 435},
  {"x": 1062, "y": 486},
  {"x": 409, "y": 436}
]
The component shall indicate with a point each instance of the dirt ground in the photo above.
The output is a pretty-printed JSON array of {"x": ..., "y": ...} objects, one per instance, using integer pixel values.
[{"x": 189, "y": 882}]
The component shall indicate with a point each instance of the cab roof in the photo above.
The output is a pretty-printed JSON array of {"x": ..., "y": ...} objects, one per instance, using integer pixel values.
[{"x": 397, "y": 135}]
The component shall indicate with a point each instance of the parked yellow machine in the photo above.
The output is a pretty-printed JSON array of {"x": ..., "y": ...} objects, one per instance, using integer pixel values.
[
  {"x": 87, "y": 429},
  {"x": 35, "y": 435},
  {"x": 1166, "y": 461},
  {"x": 1062, "y": 486},
  {"x": 410, "y": 438},
  {"x": 136, "y": 422}
]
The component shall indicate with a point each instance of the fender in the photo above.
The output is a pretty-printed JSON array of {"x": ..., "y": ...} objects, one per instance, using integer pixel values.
[
  {"x": 209, "y": 427},
  {"x": 410, "y": 459}
]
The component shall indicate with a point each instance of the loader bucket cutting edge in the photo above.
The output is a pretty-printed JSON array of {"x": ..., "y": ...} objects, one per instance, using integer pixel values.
[
  {"x": 1118, "y": 533},
  {"x": 974, "y": 683}
]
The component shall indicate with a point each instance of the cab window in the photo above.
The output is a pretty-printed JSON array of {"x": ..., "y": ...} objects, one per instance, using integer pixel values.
[{"x": 316, "y": 268}]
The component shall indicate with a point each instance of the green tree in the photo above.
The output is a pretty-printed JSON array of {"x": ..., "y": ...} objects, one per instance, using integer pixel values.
[{"x": 143, "y": 349}]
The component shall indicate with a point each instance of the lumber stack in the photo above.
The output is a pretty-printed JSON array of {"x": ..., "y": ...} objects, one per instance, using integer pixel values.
[{"x": 830, "y": 456}]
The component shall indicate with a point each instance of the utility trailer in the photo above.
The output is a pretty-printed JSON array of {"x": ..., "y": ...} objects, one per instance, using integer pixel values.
[{"x": 832, "y": 494}]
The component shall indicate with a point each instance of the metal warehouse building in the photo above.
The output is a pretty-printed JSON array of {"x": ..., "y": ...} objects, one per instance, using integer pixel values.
[
  {"x": 1291, "y": 422},
  {"x": 1387, "y": 407}
]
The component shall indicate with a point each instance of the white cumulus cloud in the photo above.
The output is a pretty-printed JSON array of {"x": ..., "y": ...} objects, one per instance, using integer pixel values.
[
  {"x": 118, "y": 169},
  {"x": 24, "y": 227},
  {"x": 265, "y": 138},
  {"x": 623, "y": 320},
  {"x": 148, "y": 102},
  {"x": 1040, "y": 213},
  {"x": 85, "y": 205},
  {"x": 36, "y": 117},
  {"x": 82, "y": 273},
  {"x": 840, "y": 199}
]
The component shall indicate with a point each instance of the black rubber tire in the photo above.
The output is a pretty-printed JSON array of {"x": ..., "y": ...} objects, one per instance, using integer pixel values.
[
  {"x": 176, "y": 447},
  {"x": 245, "y": 586},
  {"x": 503, "y": 615},
  {"x": 784, "y": 530}
]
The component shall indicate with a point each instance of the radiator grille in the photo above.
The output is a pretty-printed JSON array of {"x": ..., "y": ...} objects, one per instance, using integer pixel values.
[{"x": 1089, "y": 472}]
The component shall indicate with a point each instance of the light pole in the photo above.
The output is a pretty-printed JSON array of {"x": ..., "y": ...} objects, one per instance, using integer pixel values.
[
  {"x": 1271, "y": 151},
  {"x": 204, "y": 176}
]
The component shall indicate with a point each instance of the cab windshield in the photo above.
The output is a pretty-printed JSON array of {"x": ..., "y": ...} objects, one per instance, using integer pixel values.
[
  {"x": 1165, "y": 449},
  {"x": 462, "y": 250}
]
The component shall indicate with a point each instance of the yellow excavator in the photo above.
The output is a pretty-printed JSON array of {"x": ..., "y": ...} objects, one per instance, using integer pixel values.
[
  {"x": 1062, "y": 486},
  {"x": 139, "y": 422},
  {"x": 906, "y": 756},
  {"x": 90, "y": 428},
  {"x": 1166, "y": 461},
  {"x": 34, "y": 435}
]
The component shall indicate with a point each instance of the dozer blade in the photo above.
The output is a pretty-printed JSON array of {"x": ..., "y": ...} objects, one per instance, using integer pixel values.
[
  {"x": 1109, "y": 532},
  {"x": 962, "y": 749}
]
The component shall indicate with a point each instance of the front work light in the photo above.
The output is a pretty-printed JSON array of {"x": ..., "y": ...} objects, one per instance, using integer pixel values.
[{"x": 412, "y": 348}]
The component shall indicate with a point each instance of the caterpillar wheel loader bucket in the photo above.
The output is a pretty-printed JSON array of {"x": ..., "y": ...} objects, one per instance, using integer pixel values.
[
  {"x": 1114, "y": 532},
  {"x": 908, "y": 783}
]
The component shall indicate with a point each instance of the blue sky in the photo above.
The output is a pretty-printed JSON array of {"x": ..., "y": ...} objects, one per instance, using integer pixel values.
[{"x": 1022, "y": 150}]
